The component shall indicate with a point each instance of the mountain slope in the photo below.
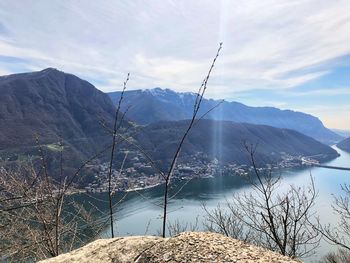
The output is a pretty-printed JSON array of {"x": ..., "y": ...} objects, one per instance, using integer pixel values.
[
  {"x": 52, "y": 105},
  {"x": 344, "y": 133},
  {"x": 149, "y": 106},
  {"x": 224, "y": 140},
  {"x": 344, "y": 145}
]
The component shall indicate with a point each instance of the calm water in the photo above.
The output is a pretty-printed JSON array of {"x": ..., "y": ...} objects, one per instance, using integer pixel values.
[{"x": 140, "y": 213}]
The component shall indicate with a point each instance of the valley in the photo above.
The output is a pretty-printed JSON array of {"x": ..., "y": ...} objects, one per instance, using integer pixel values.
[{"x": 42, "y": 110}]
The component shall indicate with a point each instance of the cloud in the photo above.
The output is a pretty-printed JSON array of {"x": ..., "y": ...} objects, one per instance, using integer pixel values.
[
  {"x": 269, "y": 44},
  {"x": 319, "y": 92}
]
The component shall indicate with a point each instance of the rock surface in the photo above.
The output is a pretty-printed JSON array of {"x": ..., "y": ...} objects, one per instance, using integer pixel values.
[{"x": 185, "y": 247}]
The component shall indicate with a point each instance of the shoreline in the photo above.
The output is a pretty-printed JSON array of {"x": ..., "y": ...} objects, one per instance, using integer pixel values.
[{"x": 81, "y": 191}]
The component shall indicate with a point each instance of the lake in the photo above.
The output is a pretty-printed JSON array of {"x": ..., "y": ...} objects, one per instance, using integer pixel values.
[{"x": 140, "y": 212}]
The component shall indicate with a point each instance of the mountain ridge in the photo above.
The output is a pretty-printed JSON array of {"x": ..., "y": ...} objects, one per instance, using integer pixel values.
[
  {"x": 225, "y": 140},
  {"x": 344, "y": 145},
  {"x": 53, "y": 106},
  {"x": 33, "y": 95},
  {"x": 149, "y": 106}
]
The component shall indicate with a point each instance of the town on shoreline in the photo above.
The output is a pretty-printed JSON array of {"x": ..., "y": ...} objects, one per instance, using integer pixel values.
[{"x": 140, "y": 175}]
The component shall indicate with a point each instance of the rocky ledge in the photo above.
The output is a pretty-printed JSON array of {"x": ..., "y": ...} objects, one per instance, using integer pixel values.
[{"x": 185, "y": 247}]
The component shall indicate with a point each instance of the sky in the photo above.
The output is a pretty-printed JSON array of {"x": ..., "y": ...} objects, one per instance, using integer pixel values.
[{"x": 291, "y": 54}]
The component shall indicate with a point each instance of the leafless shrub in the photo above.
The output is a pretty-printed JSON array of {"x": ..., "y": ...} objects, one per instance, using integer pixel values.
[
  {"x": 118, "y": 121},
  {"x": 223, "y": 221},
  {"x": 177, "y": 227},
  {"x": 167, "y": 176},
  {"x": 123, "y": 137},
  {"x": 39, "y": 218},
  {"x": 339, "y": 235},
  {"x": 277, "y": 221},
  {"x": 341, "y": 256}
]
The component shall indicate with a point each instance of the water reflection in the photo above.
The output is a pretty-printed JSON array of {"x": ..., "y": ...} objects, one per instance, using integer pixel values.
[{"x": 140, "y": 213}]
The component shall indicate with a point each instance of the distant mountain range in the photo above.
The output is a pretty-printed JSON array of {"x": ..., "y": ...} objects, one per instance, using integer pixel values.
[
  {"x": 153, "y": 105},
  {"x": 344, "y": 145},
  {"x": 224, "y": 140},
  {"x": 54, "y": 105}
]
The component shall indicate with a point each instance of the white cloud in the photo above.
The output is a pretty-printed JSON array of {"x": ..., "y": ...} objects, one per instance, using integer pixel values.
[
  {"x": 270, "y": 44},
  {"x": 319, "y": 92}
]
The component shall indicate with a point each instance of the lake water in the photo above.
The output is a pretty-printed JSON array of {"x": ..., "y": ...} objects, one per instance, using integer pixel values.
[{"x": 140, "y": 212}]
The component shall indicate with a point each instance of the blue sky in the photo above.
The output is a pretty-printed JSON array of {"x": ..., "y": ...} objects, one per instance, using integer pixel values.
[{"x": 291, "y": 54}]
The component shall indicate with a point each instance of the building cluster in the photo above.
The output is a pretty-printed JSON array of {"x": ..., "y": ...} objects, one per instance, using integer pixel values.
[{"x": 137, "y": 173}]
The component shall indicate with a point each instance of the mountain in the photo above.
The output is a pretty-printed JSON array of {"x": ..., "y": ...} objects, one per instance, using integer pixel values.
[
  {"x": 344, "y": 145},
  {"x": 343, "y": 133},
  {"x": 54, "y": 106},
  {"x": 51, "y": 104},
  {"x": 224, "y": 140},
  {"x": 149, "y": 106}
]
